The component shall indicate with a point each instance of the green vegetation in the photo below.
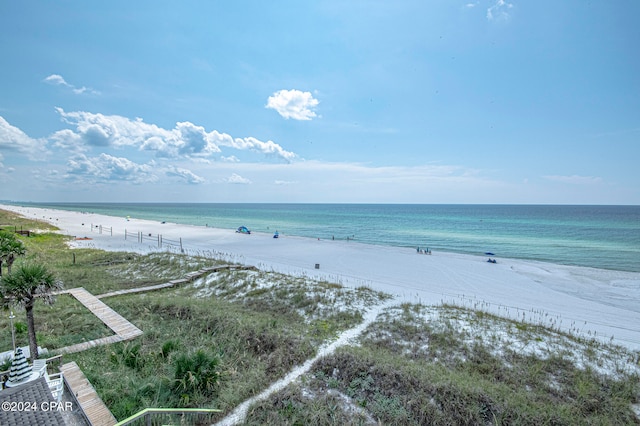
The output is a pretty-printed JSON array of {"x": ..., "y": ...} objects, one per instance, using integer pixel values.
[
  {"x": 426, "y": 365},
  {"x": 203, "y": 345},
  {"x": 226, "y": 336},
  {"x": 31, "y": 282},
  {"x": 10, "y": 248}
]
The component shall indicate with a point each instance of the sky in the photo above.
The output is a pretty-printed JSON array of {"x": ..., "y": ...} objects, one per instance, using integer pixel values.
[{"x": 427, "y": 101}]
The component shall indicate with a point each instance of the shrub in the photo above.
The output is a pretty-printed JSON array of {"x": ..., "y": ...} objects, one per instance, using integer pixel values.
[
  {"x": 197, "y": 373},
  {"x": 128, "y": 355},
  {"x": 20, "y": 327}
]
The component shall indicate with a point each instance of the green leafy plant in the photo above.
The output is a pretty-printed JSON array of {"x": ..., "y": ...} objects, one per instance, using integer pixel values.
[
  {"x": 197, "y": 372},
  {"x": 20, "y": 327}
]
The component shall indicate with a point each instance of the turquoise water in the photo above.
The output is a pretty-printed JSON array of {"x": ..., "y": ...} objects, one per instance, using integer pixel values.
[{"x": 598, "y": 236}]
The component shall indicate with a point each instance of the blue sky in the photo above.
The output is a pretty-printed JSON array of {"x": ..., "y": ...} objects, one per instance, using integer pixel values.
[{"x": 487, "y": 101}]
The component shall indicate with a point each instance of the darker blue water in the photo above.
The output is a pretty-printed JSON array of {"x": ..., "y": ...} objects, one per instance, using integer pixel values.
[{"x": 598, "y": 236}]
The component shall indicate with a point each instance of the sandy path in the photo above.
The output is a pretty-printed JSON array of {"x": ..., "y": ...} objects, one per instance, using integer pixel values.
[{"x": 347, "y": 337}]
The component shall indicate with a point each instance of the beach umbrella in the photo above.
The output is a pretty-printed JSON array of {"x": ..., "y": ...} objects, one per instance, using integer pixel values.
[{"x": 20, "y": 368}]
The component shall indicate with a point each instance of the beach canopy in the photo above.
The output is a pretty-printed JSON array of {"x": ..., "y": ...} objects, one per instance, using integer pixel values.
[
  {"x": 20, "y": 368},
  {"x": 243, "y": 230}
]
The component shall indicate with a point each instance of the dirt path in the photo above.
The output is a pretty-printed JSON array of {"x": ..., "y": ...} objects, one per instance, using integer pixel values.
[{"x": 238, "y": 415}]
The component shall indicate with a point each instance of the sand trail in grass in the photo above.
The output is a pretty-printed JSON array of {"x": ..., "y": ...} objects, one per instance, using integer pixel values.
[{"x": 347, "y": 337}]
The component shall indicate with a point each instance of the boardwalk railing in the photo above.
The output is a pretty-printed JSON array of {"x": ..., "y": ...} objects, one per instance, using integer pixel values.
[{"x": 173, "y": 416}]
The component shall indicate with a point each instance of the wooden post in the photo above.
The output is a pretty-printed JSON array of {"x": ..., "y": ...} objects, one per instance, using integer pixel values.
[
  {"x": 74, "y": 258},
  {"x": 181, "y": 249}
]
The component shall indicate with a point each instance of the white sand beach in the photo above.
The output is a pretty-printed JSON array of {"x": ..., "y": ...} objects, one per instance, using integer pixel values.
[{"x": 597, "y": 303}]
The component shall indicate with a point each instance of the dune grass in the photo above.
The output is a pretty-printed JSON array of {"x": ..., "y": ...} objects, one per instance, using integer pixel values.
[{"x": 423, "y": 365}]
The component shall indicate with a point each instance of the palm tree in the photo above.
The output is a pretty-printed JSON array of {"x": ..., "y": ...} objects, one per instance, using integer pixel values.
[
  {"x": 10, "y": 248},
  {"x": 23, "y": 287}
]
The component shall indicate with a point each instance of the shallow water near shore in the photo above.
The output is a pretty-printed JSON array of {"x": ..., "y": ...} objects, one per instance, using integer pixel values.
[{"x": 606, "y": 237}]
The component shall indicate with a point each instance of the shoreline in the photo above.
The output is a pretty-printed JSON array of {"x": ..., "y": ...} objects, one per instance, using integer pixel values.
[
  {"x": 593, "y": 303},
  {"x": 536, "y": 233}
]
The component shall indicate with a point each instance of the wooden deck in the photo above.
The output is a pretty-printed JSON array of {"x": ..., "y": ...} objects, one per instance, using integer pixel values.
[{"x": 93, "y": 407}]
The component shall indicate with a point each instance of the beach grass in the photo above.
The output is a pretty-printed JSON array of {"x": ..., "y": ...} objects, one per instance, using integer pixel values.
[
  {"x": 14, "y": 222},
  {"x": 236, "y": 332},
  {"x": 421, "y": 365}
]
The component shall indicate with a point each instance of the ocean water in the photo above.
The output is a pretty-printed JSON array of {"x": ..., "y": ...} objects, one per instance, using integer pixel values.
[{"x": 605, "y": 237}]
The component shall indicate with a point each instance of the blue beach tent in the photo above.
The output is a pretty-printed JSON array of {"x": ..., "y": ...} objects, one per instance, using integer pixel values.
[{"x": 243, "y": 230}]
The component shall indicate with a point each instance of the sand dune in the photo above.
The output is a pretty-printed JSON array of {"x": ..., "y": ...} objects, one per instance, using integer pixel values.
[{"x": 593, "y": 302}]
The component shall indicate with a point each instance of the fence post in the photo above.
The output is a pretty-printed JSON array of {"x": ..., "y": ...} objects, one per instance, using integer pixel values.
[
  {"x": 159, "y": 241},
  {"x": 181, "y": 249}
]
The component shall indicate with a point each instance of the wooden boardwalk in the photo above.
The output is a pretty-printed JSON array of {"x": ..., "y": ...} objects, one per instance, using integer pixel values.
[
  {"x": 111, "y": 318},
  {"x": 191, "y": 276},
  {"x": 142, "y": 289},
  {"x": 95, "y": 410},
  {"x": 93, "y": 407},
  {"x": 122, "y": 328}
]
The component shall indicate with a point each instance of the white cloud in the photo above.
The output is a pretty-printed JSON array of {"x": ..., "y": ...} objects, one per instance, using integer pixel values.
[
  {"x": 575, "y": 179},
  {"x": 236, "y": 178},
  {"x": 185, "y": 140},
  {"x": 186, "y": 175},
  {"x": 68, "y": 140},
  {"x": 114, "y": 130},
  {"x": 254, "y": 144},
  {"x": 14, "y": 139},
  {"x": 194, "y": 140},
  {"x": 58, "y": 80},
  {"x": 107, "y": 168},
  {"x": 499, "y": 10},
  {"x": 293, "y": 104}
]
